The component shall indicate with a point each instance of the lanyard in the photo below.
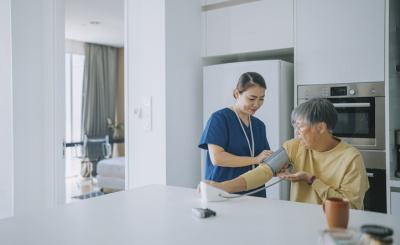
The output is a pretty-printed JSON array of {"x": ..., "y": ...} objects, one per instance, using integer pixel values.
[{"x": 251, "y": 131}]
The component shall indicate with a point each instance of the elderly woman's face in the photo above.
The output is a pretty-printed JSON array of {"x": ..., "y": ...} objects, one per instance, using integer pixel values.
[
  {"x": 251, "y": 100},
  {"x": 306, "y": 134}
]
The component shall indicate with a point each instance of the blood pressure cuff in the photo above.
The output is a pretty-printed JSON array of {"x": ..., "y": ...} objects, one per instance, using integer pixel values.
[{"x": 278, "y": 160}]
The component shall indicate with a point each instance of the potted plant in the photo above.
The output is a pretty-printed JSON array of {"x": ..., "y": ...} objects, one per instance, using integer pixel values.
[{"x": 113, "y": 128}]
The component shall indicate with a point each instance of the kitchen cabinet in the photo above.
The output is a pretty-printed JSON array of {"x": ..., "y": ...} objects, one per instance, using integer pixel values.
[
  {"x": 339, "y": 41},
  {"x": 395, "y": 203},
  {"x": 209, "y": 2},
  {"x": 251, "y": 27}
]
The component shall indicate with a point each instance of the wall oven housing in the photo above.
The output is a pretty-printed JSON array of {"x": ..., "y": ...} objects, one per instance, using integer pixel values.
[{"x": 361, "y": 111}]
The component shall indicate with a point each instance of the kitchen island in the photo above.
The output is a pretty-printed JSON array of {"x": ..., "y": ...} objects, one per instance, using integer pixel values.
[{"x": 158, "y": 214}]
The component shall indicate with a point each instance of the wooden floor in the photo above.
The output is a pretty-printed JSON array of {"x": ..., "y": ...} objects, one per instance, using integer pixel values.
[{"x": 72, "y": 189}]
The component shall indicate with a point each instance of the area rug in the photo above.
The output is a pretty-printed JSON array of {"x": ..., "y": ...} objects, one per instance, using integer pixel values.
[{"x": 90, "y": 195}]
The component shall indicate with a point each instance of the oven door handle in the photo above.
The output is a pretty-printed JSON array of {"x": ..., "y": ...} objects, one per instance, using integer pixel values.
[
  {"x": 352, "y": 104},
  {"x": 370, "y": 175}
]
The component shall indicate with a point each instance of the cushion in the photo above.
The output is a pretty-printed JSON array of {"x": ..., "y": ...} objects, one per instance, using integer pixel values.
[{"x": 112, "y": 167}]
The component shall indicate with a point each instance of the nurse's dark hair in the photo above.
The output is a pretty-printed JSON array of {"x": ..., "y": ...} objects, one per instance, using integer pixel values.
[{"x": 248, "y": 80}]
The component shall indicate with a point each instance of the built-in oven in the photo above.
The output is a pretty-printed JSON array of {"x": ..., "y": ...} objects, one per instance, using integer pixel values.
[
  {"x": 361, "y": 114},
  {"x": 361, "y": 111},
  {"x": 357, "y": 124}
]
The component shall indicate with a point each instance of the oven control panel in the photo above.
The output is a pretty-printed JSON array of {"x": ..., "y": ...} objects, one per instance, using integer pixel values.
[
  {"x": 375, "y": 89},
  {"x": 338, "y": 91}
]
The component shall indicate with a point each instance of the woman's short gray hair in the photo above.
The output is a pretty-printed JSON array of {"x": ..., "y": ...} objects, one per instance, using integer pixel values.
[{"x": 314, "y": 111}]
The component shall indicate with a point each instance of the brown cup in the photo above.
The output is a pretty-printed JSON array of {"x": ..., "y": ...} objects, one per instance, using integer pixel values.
[{"x": 336, "y": 211}]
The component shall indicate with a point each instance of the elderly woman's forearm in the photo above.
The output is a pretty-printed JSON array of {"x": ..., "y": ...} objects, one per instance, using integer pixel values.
[
  {"x": 324, "y": 191},
  {"x": 236, "y": 185},
  {"x": 258, "y": 176}
]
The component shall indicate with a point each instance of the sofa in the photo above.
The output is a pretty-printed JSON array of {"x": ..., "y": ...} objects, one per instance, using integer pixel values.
[{"x": 111, "y": 173}]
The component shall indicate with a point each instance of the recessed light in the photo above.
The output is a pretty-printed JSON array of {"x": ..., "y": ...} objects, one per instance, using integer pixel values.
[{"x": 95, "y": 23}]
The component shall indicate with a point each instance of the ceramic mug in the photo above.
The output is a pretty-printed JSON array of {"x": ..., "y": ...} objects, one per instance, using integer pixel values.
[{"x": 336, "y": 211}]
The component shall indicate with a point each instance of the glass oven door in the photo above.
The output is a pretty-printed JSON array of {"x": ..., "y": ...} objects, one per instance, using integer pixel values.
[{"x": 356, "y": 123}]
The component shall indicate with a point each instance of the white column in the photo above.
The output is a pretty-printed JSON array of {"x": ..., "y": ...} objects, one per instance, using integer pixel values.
[
  {"x": 163, "y": 60},
  {"x": 53, "y": 121},
  {"x": 6, "y": 123},
  {"x": 184, "y": 92}
]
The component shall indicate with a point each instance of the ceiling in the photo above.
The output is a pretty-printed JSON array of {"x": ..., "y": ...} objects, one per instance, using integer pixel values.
[{"x": 110, "y": 14}]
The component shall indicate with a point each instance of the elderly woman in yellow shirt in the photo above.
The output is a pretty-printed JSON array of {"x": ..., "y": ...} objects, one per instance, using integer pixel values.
[{"x": 325, "y": 165}]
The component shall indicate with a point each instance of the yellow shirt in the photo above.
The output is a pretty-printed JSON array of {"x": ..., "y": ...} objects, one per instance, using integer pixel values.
[{"x": 339, "y": 172}]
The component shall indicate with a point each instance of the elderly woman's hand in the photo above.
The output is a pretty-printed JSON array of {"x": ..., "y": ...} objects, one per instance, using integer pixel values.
[
  {"x": 298, "y": 177},
  {"x": 283, "y": 172}
]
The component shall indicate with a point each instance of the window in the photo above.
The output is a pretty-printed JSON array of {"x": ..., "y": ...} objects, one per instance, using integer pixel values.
[{"x": 74, "y": 67}]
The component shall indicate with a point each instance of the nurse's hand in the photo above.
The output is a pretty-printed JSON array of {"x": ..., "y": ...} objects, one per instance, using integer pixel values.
[{"x": 263, "y": 155}]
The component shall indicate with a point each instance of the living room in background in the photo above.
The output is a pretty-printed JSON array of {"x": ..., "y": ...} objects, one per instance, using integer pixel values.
[{"x": 94, "y": 31}]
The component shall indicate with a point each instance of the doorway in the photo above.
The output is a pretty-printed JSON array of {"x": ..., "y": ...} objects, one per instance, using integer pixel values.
[{"x": 94, "y": 25}]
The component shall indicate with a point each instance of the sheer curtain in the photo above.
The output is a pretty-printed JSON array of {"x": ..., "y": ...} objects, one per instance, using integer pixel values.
[{"x": 99, "y": 88}]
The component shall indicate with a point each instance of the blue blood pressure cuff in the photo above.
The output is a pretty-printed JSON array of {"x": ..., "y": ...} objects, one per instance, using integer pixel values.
[{"x": 278, "y": 160}]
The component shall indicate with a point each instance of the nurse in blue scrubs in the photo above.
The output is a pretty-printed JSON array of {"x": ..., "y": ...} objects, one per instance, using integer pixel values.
[{"x": 235, "y": 140}]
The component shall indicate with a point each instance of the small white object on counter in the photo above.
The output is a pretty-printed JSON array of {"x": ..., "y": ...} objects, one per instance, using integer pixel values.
[{"x": 212, "y": 194}]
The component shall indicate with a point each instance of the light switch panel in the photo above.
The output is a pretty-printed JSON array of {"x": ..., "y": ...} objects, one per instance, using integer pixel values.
[
  {"x": 146, "y": 103},
  {"x": 137, "y": 112}
]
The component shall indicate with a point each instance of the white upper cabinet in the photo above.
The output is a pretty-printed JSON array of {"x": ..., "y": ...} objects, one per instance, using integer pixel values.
[
  {"x": 251, "y": 27},
  {"x": 209, "y": 2},
  {"x": 339, "y": 41}
]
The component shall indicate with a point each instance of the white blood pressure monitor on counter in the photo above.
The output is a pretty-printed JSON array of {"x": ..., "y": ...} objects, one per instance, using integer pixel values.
[{"x": 276, "y": 162}]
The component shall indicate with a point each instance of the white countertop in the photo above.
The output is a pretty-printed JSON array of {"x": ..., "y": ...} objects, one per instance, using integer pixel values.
[{"x": 158, "y": 214}]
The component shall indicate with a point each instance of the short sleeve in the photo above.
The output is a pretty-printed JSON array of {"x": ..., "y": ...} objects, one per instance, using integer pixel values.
[
  {"x": 292, "y": 148},
  {"x": 216, "y": 132}
]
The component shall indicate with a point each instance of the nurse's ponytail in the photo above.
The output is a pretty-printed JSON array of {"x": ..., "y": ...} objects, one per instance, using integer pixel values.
[{"x": 248, "y": 80}]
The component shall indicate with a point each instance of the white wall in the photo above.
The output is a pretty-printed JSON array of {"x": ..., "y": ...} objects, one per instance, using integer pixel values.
[
  {"x": 27, "y": 104},
  {"x": 145, "y": 151},
  {"x": 163, "y": 59},
  {"x": 6, "y": 124},
  {"x": 37, "y": 153},
  {"x": 74, "y": 47}
]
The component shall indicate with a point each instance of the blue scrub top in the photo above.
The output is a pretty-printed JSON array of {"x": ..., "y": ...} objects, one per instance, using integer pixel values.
[{"x": 223, "y": 129}]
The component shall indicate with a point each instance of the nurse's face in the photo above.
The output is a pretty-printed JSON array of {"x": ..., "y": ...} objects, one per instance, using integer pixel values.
[{"x": 250, "y": 100}]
